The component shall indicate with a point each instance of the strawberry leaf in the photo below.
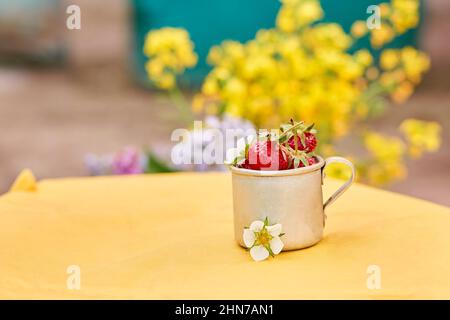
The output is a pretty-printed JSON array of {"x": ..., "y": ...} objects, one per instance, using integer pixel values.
[
  {"x": 309, "y": 127},
  {"x": 304, "y": 160},
  {"x": 303, "y": 139}
]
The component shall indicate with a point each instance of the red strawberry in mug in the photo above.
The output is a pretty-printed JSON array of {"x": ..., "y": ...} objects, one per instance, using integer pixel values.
[
  {"x": 312, "y": 161},
  {"x": 310, "y": 141},
  {"x": 266, "y": 155}
]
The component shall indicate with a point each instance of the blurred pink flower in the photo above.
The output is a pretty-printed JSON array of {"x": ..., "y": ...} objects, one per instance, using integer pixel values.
[{"x": 128, "y": 161}]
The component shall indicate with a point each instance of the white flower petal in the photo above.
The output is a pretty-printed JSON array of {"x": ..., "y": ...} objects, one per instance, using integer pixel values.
[
  {"x": 257, "y": 226},
  {"x": 259, "y": 253},
  {"x": 276, "y": 245},
  {"x": 274, "y": 230},
  {"x": 249, "y": 238}
]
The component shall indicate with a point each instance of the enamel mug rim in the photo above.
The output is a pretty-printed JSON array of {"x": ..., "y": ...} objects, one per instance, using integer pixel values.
[{"x": 279, "y": 173}]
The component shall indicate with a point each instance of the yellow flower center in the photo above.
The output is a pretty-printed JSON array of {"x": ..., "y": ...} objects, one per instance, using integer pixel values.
[{"x": 263, "y": 237}]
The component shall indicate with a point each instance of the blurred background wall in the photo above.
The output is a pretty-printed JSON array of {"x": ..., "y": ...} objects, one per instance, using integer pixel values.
[{"x": 66, "y": 93}]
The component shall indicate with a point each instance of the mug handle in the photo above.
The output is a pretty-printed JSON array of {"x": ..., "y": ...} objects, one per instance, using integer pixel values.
[{"x": 345, "y": 186}]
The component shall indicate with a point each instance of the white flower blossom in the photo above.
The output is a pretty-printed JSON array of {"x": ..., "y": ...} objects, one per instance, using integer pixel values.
[{"x": 263, "y": 240}]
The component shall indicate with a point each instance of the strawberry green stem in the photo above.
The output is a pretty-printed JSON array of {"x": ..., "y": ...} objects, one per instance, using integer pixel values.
[{"x": 290, "y": 129}]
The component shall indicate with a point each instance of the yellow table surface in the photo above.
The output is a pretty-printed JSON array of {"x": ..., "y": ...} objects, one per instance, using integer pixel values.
[{"x": 170, "y": 236}]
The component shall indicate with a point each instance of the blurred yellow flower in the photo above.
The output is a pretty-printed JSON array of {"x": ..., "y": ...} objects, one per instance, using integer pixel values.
[
  {"x": 389, "y": 59},
  {"x": 402, "y": 92},
  {"x": 387, "y": 162},
  {"x": 397, "y": 17},
  {"x": 405, "y": 14},
  {"x": 170, "y": 52},
  {"x": 228, "y": 51},
  {"x": 165, "y": 81},
  {"x": 359, "y": 29},
  {"x": 295, "y": 14},
  {"x": 383, "y": 147},
  {"x": 364, "y": 57},
  {"x": 326, "y": 36},
  {"x": 197, "y": 103},
  {"x": 338, "y": 170},
  {"x": 421, "y": 135},
  {"x": 372, "y": 73},
  {"x": 381, "y": 36},
  {"x": 385, "y": 9},
  {"x": 403, "y": 70},
  {"x": 380, "y": 173},
  {"x": 415, "y": 63}
]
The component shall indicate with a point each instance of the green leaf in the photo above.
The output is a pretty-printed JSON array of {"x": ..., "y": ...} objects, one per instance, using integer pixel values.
[
  {"x": 303, "y": 140},
  {"x": 296, "y": 162},
  {"x": 266, "y": 221},
  {"x": 285, "y": 127},
  {"x": 304, "y": 160},
  {"x": 310, "y": 127},
  {"x": 296, "y": 141},
  {"x": 156, "y": 165}
]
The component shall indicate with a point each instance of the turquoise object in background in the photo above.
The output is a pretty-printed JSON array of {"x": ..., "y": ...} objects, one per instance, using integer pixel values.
[{"x": 211, "y": 22}]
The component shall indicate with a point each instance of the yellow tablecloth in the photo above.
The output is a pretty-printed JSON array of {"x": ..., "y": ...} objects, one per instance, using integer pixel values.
[{"x": 170, "y": 236}]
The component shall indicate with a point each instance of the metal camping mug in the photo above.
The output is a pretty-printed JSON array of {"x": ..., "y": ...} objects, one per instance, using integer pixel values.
[{"x": 290, "y": 197}]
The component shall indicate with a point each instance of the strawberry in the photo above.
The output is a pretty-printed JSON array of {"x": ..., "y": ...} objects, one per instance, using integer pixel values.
[
  {"x": 245, "y": 165},
  {"x": 310, "y": 141},
  {"x": 312, "y": 160},
  {"x": 267, "y": 155}
]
